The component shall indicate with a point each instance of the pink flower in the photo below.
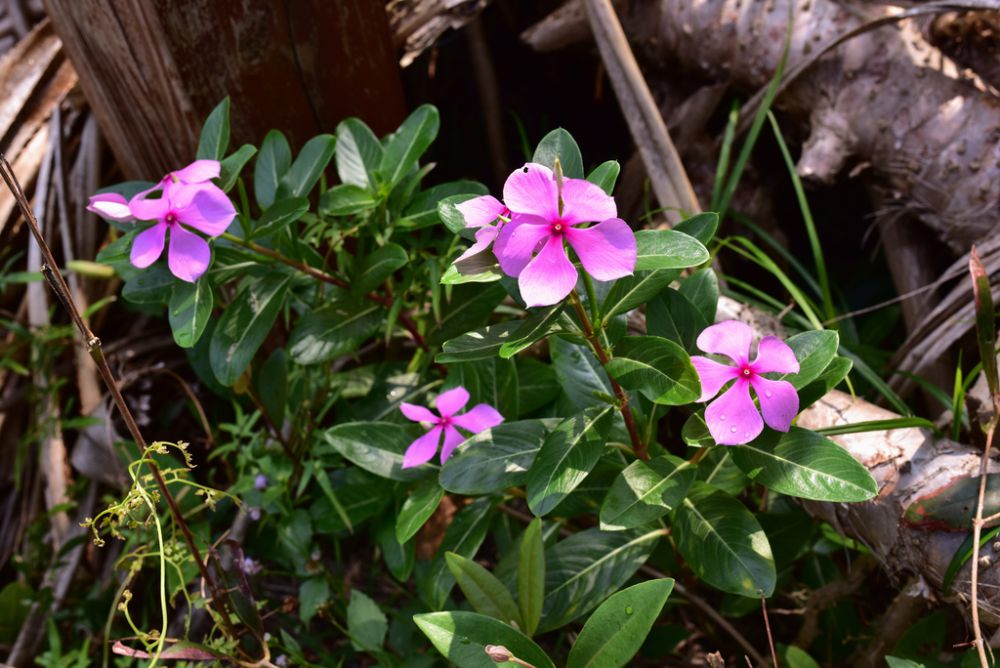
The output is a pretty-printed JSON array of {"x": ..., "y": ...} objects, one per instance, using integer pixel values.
[
  {"x": 481, "y": 212},
  {"x": 530, "y": 247},
  {"x": 115, "y": 207},
  {"x": 733, "y": 419},
  {"x": 482, "y": 416}
]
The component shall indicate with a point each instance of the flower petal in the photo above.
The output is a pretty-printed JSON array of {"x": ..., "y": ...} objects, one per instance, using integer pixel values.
[
  {"x": 149, "y": 209},
  {"x": 773, "y": 354},
  {"x": 198, "y": 171},
  {"x": 478, "y": 418},
  {"x": 204, "y": 207},
  {"x": 111, "y": 206},
  {"x": 188, "y": 256},
  {"x": 730, "y": 338},
  {"x": 484, "y": 237},
  {"x": 480, "y": 211},
  {"x": 549, "y": 277},
  {"x": 417, "y": 413},
  {"x": 779, "y": 402},
  {"x": 606, "y": 250},
  {"x": 450, "y": 402},
  {"x": 517, "y": 241},
  {"x": 532, "y": 189},
  {"x": 584, "y": 202},
  {"x": 733, "y": 419},
  {"x": 147, "y": 246},
  {"x": 452, "y": 438},
  {"x": 712, "y": 375},
  {"x": 422, "y": 449}
]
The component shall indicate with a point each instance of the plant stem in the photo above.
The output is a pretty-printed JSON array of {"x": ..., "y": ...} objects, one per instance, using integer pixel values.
[
  {"x": 404, "y": 318},
  {"x": 62, "y": 292},
  {"x": 638, "y": 447}
]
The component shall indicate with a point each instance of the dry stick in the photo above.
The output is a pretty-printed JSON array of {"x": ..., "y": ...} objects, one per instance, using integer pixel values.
[
  {"x": 767, "y": 627},
  {"x": 58, "y": 284},
  {"x": 649, "y": 131},
  {"x": 588, "y": 330}
]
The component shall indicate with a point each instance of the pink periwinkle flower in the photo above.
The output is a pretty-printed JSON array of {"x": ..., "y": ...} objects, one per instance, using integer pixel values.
[
  {"x": 188, "y": 199},
  {"x": 530, "y": 247},
  {"x": 733, "y": 419},
  {"x": 480, "y": 213},
  {"x": 480, "y": 417}
]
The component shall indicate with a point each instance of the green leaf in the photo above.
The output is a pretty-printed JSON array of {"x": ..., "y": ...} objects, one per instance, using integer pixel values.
[
  {"x": 279, "y": 215},
  {"x": 313, "y": 593},
  {"x": 832, "y": 375},
  {"x": 450, "y": 215},
  {"x": 566, "y": 457},
  {"x": 532, "y": 329},
  {"x": 399, "y": 558},
  {"x": 896, "y": 662},
  {"x": 658, "y": 369},
  {"x": 494, "y": 459},
  {"x": 308, "y": 166},
  {"x": 233, "y": 164},
  {"x": 645, "y": 491},
  {"x": 702, "y": 289},
  {"x": 366, "y": 623},
  {"x": 405, "y": 146},
  {"x": 673, "y": 316},
  {"x": 814, "y": 350},
  {"x": 723, "y": 543},
  {"x": 422, "y": 211},
  {"x": 617, "y": 629},
  {"x": 537, "y": 384},
  {"x": 702, "y": 226},
  {"x": 245, "y": 324},
  {"x": 358, "y": 154},
  {"x": 462, "y": 638},
  {"x": 272, "y": 384},
  {"x": 189, "y": 310},
  {"x": 345, "y": 200},
  {"x": 804, "y": 464},
  {"x": 560, "y": 144},
  {"x": 333, "y": 330},
  {"x": 377, "y": 447},
  {"x": 273, "y": 160},
  {"x": 582, "y": 570},
  {"x": 374, "y": 268},
  {"x": 605, "y": 175},
  {"x": 580, "y": 375},
  {"x": 215, "y": 133},
  {"x": 150, "y": 286},
  {"x": 15, "y": 601},
  {"x": 464, "y": 536},
  {"x": 467, "y": 309},
  {"x": 455, "y": 276},
  {"x": 667, "y": 249},
  {"x": 481, "y": 344},
  {"x": 531, "y": 576},
  {"x": 485, "y": 593},
  {"x": 633, "y": 291},
  {"x": 418, "y": 508}
]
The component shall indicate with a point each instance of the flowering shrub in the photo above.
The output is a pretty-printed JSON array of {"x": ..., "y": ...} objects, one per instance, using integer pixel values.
[{"x": 327, "y": 314}]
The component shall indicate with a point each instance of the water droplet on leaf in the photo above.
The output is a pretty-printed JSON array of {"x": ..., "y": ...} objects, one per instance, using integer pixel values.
[{"x": 628, "y": 610}]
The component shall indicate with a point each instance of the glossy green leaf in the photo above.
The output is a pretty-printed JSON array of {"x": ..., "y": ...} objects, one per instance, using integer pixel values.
[
  {"x": 481, "y": 344},
  {"x": 568, "y": 454},
  {"x": 400, "y": 558},
  {"x": 280, "y": 215},
  {"x": 695, "y": 432},
  {"x": 333, "y": 330},
  {"x": 455, "y": 276},
  {"x": 273, "y": 160},
  {"x": 633, "y": 291},
  {"x": 189, "y": 310},
  {"x": 373, "y": 269},
  {"x": 580, "y": 374},
  {"x": 537, "y": 384},
  {"x": 605, "y": 175},
  {"x": 582, "y": 570},
  {"x": 804, "y": 464},
  {"x": 657, "y": 368},
  {"x": 645, "y": 491},
  {"x": 672, "y": 316},
  {"x": 560, "y": 144},
  {"x": 313, "y": 593},
  {"x": 214, "y": 138},
  {"x": 404, "y": 147},
  {"x": 485, "y": 593},
  {"x": 358, "y": 154},
  {"x": 835, "y": 372},
  {"x": 532, "y": 329},
  {"x": 345, "y": 200},
  {"x": 531, "y": 576},
  {"x": 366, "y": 623},
  {"x": 702, "y": 226},
  {"x": 464, "y": 536},
  {"x": 423, "y": 208},
  {"x": 418, "y": 508},
  {"x": 308, "y": 166},
  {"x": 245, "y": 324},
  {"x": 232, "y": 165},
  {"x": 272, "y": 385},
  {"x": 814, "y": 350},
  {"x": 150, "y": 286},
  {"x": 451, "y": 216},
  {"x": 667, "y": 249},
  {"x": 462, "y": 638},
  {"x": 617, "y": 629},
  {"x": 377, "y": 447},
  {"x": 723, "y": 543},
  {"x": 468, "y": 308},
  {"x": 494, "y": 459},
  {"x": 702, "y": 289}
]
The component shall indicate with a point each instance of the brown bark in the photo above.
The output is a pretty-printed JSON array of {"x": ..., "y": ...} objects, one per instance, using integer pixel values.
[{"x": 153, "y": 70}]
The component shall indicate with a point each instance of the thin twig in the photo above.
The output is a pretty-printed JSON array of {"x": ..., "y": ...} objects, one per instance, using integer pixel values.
[
  {"x": 56, "y": 281},
  {"x": 767, "y": 627}
]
